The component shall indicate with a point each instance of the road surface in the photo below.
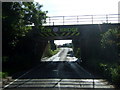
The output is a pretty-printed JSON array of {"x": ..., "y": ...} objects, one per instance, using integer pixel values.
[{"x": 59, "y": 72}]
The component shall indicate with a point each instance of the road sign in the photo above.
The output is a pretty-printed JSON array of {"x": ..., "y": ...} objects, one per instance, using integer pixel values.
[{"x": 59, "y": 31}]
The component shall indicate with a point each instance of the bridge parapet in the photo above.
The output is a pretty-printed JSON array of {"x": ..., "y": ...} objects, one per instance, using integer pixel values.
[{"x": 82, "y": 19}]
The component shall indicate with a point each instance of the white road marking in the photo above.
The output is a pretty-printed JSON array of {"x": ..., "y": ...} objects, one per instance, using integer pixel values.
[{"x": 18, "y": 78}]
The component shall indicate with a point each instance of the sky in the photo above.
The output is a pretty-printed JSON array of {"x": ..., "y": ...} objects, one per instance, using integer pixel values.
[
  {"x": 78, "y": 7},
  {"x": 61, "y": 42}
]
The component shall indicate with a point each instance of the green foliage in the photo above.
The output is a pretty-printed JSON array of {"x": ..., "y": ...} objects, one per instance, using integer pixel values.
[
  {"x": 55, "y": 51},
  {"x": 104, "y": 68},
  {"x": 3, "y": 74},
  {"x": 16, "y": 20},
  {"x": 110, "y": 38},
  {"x": 110, "y": 43},
  {"x": 77, "y": 53},
  {"x": 111, "y": 72},
  {"x": 18, "y": 44},
  {"x": 49, "y": 52},
  {"x": 115, "y": 74},
  {"x": 76, "y": 45}
]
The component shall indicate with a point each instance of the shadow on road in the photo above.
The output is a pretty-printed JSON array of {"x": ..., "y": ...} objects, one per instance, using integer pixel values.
[
  {"x": 57, "y": 75},
  {"x": 56, "y": 69}
]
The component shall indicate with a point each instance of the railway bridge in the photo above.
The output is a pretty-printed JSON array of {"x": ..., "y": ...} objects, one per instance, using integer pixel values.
[{"x": 84, "y": 30}]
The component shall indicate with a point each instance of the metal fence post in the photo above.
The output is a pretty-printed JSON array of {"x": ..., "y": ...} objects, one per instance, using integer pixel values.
[
  {"x": 106, "y": 18},
  {"x": 63, "y": 20},
  {"x": 92, "y": 19},
  {"x": 119, "y": 18},
  {"x": 53, "y": 23},
  {"x": 77, "y": 19}
]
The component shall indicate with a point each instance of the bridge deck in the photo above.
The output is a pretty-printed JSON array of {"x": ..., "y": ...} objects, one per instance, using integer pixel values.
[{"x": 73, "y": 31}]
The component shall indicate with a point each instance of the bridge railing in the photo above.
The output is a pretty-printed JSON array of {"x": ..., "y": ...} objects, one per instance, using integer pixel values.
[{"x": 83, "y": 19}]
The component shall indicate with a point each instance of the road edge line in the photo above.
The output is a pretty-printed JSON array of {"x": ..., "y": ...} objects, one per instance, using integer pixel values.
[{"x": 19, "y": 77}]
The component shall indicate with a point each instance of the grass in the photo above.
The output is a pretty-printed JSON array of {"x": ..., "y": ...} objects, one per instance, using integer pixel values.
[
  {"x": 50, "y": 52},
  {"x": 55, "y": 51}
]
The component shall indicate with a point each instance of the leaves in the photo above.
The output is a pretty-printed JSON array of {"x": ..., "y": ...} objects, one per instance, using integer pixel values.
[
  {"x": 110, "y": 38},
  {"x": 17, "y": 18}
]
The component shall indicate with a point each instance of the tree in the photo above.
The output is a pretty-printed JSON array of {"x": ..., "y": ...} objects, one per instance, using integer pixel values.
[
  {"x": 111, "y": 37},
  {"x": 111, "y": 42},
  {"x": 18, "y": 45},
  {"x": 16, "y": 18}
]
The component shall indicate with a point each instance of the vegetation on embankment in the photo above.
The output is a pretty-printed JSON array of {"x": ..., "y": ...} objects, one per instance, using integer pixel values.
[
  {"x": 111, "y": 72},
  {"x": 49, "y": 52},
  {"x": 106, "y": 62},
  {"x": 20, "y": 49},
  {"x": 110, "y": 43}
]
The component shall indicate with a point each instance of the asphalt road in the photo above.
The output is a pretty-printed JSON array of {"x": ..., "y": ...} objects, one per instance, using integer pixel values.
[{"x": 58, "y": 72}]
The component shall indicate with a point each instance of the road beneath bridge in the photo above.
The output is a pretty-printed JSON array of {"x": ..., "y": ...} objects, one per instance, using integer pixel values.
[{"x": 61, "y": 71}]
